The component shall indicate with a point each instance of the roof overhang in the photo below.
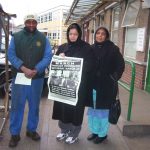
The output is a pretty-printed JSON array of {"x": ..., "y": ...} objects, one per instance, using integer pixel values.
[{"x": 82, "y": 8}]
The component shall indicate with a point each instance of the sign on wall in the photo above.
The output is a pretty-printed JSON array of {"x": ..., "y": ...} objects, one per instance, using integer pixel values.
[
  {"x": 145, "y": 3},
  {"x": 140, "y": 39}
]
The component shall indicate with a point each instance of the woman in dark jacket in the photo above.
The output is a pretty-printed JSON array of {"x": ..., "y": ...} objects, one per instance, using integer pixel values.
[
  {"x": 109, "y": 68},
  {"x": 71, "y": 117}
]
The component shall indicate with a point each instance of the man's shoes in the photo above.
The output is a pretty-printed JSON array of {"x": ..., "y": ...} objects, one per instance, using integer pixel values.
[
  {"x": 33, "y": 135},
  {"x": 71, "y": 140},
  {"x": 92, "y": 136},
  {"x": 98, "y": 140},
  {"x": 14, "y": 140},
  {"x": 61, "y": 136}
]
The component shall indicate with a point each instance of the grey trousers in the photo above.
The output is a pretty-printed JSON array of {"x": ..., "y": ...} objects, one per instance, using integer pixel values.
[{"x": 69, "y": 128}]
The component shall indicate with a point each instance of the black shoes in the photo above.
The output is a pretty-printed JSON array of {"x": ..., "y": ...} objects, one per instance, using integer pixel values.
[
  {"x": 33, "y": 135},
  {"x": 98, "y": 140},
  {"x": 14, "y": 140},
  {"x": 92, "y": 136}
]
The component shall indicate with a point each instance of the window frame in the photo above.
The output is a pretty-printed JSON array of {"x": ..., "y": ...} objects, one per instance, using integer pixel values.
[
  {"x": 125, "y": 55},
  {"x": 126, "y": 14},
  {"x": 101, "y": 21},
  {"x": 113, "y": 29}
]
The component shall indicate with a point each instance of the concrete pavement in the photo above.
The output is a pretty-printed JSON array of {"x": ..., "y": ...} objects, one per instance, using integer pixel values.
[
  {"x": 48, "y": 129},
  {"x": 139, "y": 125},
  {"x": 116, "y": 141}
]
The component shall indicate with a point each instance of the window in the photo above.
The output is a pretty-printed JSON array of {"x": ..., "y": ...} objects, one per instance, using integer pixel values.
[
  {"x": 65, "y": 15},
  {"x": 131, "y": 13},
  {"x": 115, "y": 24},
  {"x": 2, "y": 40},
  {"x": 56, "y": 16},
  {"x": 58, "y": 34},
  {"x": 114, "y": 37},
  {"x": 50, "y": 16},
  {"x": 130, "y": 42},
  {"x": 45, "y": 18},
  {"x": 64, "y": 32},
  {"x": 38, "y": 19},
  {"x": 49, "y": 36},
  {"x": 101, "y": 20},
  {"x": 41, "y": 19},
  {"x": 54, "y": 35}
]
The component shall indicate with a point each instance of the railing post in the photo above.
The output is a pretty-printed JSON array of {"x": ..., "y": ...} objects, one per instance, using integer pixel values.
[
  {"x": 131, "y": 91},
  {"x": 129, "y": 88}
]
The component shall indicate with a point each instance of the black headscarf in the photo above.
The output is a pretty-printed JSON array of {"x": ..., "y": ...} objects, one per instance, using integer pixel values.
[
  {"x": 99, "y": 46},
  {"x": 77, "y": 27}
]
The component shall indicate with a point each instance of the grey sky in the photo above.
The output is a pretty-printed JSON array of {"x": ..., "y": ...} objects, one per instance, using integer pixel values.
[{"x": 23, "y": 7}]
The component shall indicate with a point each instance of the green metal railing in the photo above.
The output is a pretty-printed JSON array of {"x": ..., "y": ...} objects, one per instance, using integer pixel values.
[{"x": 130, "y": 87}]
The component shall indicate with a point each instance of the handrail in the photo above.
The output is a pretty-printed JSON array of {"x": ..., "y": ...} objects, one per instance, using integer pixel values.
[{"x": 129, "y": 88}]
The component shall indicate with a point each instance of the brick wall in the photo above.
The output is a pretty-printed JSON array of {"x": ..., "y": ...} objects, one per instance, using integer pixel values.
[
  {"x": 141, "y": 22},
  {"x": 139, "y": 75}
]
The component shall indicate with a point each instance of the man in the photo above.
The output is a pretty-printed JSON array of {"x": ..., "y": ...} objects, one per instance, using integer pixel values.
[{"x": 29, "y": 53}]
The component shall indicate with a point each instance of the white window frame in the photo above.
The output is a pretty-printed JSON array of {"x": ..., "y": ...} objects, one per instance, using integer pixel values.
[
  {"x": 101, "y": 21},
  {"x": 113, "y": 29},
  {"x": 129, "y": 56},
  {"x": 126, "y": 15},
  {"x": 50, "y": 16},
  {"x": 49, "y": 35},
  {"x": 42, "y": 19},
  {"x": 45, "y": 18},
  {"x": 39, "y": 21}
]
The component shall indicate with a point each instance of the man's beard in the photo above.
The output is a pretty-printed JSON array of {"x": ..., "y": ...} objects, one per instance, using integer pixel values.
[{"x": 30, "y": 31}]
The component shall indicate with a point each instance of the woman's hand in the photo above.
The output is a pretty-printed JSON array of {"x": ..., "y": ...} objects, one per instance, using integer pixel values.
[{"x": 62, "y": 54}]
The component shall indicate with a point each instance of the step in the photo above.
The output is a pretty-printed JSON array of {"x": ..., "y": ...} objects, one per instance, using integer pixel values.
[{"x": 133, "y": 129}]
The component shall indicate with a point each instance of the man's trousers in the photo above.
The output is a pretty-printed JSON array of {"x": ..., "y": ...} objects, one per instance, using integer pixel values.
[{"x": 21, "y": 93}]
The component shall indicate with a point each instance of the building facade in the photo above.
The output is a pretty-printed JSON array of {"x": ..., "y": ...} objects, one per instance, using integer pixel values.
[
  {"x": 129, "y": 24},
  {"x": 52, "y": 22}
]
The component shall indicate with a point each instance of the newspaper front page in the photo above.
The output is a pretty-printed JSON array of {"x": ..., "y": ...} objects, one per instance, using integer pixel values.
[{"x": 64, "y": 79}]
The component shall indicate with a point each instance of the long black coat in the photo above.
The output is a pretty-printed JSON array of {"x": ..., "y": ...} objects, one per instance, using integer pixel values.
[
  {"x": 74, "y": 114},
  {"x": 109, "y": 68}
]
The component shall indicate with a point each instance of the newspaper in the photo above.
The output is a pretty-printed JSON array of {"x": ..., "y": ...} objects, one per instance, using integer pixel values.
[{"x": 64, "y": 79}]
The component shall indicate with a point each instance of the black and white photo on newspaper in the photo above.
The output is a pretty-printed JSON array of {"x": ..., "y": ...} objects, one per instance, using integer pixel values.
[{"x": 64, "y": 79}]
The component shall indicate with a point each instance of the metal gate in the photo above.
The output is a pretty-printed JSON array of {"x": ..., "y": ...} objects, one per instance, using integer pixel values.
[{"x": 4, "y": 26}]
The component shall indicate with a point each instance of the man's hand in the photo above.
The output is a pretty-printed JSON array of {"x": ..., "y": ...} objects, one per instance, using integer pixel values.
[
  {"x": 28, "y": 72},
  {"x": 34, "y": 72}
]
